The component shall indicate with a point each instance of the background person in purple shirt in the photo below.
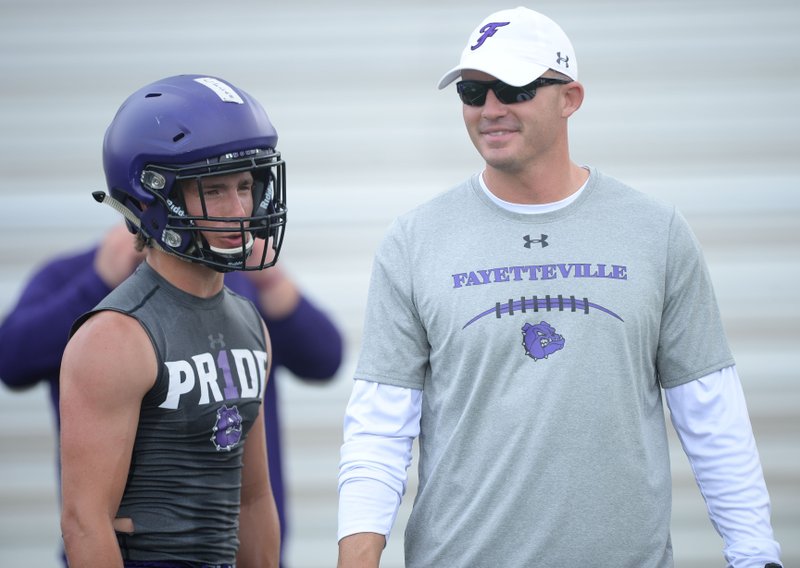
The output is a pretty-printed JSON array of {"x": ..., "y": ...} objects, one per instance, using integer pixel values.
[{"x": 34, "y": 333}]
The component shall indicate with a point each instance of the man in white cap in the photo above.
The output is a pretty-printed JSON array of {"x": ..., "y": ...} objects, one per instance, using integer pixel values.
[{"x": 524, "y": 326}]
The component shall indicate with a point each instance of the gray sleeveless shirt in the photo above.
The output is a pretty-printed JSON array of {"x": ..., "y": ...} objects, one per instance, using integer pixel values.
[{"x": 184, "y": 482}]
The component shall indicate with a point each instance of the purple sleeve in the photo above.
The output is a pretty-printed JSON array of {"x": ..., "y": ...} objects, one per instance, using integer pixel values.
[
  {"x": 35, "y": 332},
  {"x": 306, "y": 342}
]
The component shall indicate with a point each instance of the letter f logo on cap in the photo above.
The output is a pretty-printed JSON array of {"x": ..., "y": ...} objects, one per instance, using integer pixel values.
[{"x": 488, "y": 31}]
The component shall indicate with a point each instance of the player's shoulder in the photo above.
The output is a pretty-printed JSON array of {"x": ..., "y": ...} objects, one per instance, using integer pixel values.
[
  {"x": 110, "y": 353},
  {"x": 110, "y": 327}
]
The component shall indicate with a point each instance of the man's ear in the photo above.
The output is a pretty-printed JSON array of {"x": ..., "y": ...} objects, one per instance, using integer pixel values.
[{"x": 573, "y": 98}]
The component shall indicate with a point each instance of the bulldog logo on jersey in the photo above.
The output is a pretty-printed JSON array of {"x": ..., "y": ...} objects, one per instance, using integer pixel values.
[
  {"x": 227, "y": 430},
  {"x": 541, "y": 340}
]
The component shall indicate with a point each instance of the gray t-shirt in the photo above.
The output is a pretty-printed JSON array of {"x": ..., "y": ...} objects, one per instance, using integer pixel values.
[
  {"x": 184, "y": 484},
  {"x": 540, "y": 343}
]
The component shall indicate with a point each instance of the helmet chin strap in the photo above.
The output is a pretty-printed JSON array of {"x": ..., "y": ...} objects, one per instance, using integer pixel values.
[{"x": 248, "y": 246}]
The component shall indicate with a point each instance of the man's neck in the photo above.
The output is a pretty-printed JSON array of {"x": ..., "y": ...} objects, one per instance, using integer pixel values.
[
  {"x": 193, "y": 278},
  {"x": 535, "y": 185}
]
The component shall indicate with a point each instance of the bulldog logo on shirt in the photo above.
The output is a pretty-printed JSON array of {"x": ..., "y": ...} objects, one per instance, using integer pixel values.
[
  {"x": 541, "y": 340},
  {"x": 227, "y": 430}
]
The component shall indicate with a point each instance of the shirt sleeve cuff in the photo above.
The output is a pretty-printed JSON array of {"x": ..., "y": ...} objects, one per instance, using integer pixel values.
[{"x": 366, "y": 505}]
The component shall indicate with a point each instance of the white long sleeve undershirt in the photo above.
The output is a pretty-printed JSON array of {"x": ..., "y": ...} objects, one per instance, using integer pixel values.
[
  {"x": 709, "y": 415},
  {"x": 711, "y": 419}
]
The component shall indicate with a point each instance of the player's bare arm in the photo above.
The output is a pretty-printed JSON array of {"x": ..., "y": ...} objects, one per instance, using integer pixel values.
[
  {"x": 102, "y": 387},
  {"x": 259, "y": 527}
]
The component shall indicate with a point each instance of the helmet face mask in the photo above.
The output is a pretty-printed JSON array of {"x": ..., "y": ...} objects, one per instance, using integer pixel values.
[
  {"x": 186, "y": 234},
  {"x": 178, "y": 135}
]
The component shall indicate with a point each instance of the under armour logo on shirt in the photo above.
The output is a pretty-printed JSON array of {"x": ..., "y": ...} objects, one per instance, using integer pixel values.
[
  {"x": 542, "y": 240},
  {"x": 488, "y": 31},
  {"x": 218, "y": 341}
]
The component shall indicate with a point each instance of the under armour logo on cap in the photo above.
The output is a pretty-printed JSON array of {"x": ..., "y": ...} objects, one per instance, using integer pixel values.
[{"x": 488, "y": 31}]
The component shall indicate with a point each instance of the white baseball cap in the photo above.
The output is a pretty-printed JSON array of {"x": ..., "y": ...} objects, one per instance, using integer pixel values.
[{"x": 516, "y": 46}]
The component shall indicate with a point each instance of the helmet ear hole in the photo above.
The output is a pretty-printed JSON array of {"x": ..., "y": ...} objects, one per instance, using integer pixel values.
[{"x": 154, "y": 221}]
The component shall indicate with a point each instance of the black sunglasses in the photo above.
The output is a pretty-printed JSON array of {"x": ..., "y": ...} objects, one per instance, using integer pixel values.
[{"x": 473, "y": 93}]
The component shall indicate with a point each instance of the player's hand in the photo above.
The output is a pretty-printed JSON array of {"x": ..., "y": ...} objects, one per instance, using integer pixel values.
[
  {"x": 277, "y": 294},
  {"x": 117, "y": 257}
]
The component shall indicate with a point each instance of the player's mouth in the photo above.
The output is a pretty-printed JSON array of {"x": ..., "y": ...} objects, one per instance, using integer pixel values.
[{"x": 229, "y": 240}]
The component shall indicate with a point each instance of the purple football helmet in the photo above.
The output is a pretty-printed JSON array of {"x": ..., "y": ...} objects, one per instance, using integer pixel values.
[{"x": 190, "y": 127}]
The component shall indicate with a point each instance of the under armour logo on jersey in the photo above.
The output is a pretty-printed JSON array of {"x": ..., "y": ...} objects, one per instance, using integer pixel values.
[
  {"x": 564, "y": 59},
  {"x": 217, "y": 342},
  {"x": 542, "y": 240},
  {"x": 488, "y": 31}
]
